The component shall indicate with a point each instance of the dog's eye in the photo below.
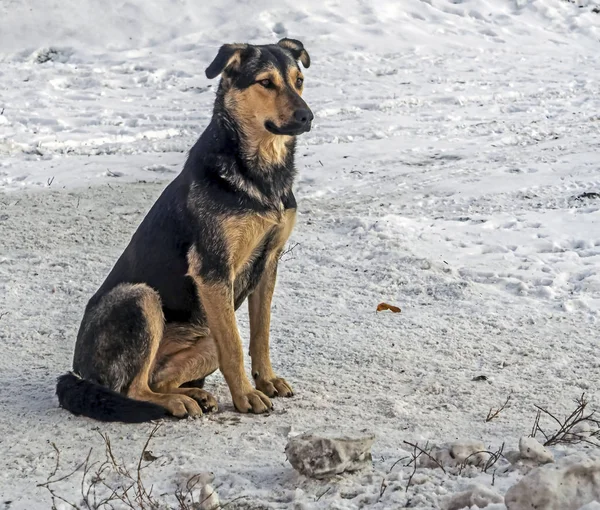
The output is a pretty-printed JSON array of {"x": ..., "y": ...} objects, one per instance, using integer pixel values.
[
  {"x": 266, "y": 83},
  {"x": 299, "y": 82}
]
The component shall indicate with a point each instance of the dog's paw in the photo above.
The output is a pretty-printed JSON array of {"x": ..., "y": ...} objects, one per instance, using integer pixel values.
[
  {"x": 207, "y": 402},
  {"x": 253, "y": 401},
  {"x": 181, "y": 406},
  {"x": 275, "y": 387}
]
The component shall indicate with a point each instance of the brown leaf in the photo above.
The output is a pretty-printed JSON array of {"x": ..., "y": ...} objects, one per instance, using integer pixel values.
[{"x": 384, "y": 306}]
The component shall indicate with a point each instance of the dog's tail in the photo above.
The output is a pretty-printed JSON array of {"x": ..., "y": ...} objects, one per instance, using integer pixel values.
[{"x": 95, "y": 401}]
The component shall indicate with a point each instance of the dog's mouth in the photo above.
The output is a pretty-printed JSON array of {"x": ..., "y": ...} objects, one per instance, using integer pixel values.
[{"x": 291, "y": 129}]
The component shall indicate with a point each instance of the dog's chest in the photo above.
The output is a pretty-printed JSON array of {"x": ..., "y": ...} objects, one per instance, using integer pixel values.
[
  {"x": 258, "y": 242},
  {"x": 250, "y": 275},
  {"x": 246, "y": 235}
]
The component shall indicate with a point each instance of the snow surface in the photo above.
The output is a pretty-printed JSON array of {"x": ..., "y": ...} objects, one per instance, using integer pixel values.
[{"x": 452, "y": 171}]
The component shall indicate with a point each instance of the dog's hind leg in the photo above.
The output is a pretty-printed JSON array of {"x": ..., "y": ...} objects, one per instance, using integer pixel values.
[
  {"x": 186, "y": 354},
  {"x": 118, "y": 342}
]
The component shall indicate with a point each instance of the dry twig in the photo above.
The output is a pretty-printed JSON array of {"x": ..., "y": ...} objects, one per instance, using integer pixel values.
[
  {"x": 109, "y": 484},
  {"x": 426, "y": 453},
  {"x": 415, "y": 454},
  {"x": 493, "y": 413},
  {"x": 415, "y": 457},
  {"x": 323, "y": 494},
  {"x": 382, "y": 487},
  {"x": 288, "y": 251},
  {"x": 565, "y": 433},
  {"x": 490, "y": 462},
  {"x": 398, "y": 461}
]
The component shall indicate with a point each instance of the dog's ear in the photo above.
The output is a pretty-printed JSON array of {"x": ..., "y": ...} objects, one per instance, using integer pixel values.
[
  {"x": 297, "y": 49},
  {"x": 229, "y": 56}
]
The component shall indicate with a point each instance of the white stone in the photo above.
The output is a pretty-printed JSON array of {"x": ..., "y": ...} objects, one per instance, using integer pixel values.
[
  {"x": 530, "y": 448},
  {"x": 323, "y": 453},
  {"x": 474, "y": 496},
  {"x": 568, "y": 484},
  {"x": 456, "y": 454}
]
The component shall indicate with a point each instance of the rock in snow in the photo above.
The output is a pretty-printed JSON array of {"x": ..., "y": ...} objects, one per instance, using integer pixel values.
[
  {"x": 323, "y": 453},
  {"x": 455, "y": 454},
  {"x": 531, "y": 454},
  {"x": 569, "y": 484},
  {"x": 530, "y": 448},
  {"x": 475, "y": 496}
]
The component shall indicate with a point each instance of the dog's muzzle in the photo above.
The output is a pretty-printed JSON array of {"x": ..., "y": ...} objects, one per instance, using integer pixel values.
[{"x": 301, "y": 123}]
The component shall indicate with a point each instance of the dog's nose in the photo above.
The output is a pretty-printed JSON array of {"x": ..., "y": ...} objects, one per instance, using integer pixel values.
[{"x": 303, "y": 116}]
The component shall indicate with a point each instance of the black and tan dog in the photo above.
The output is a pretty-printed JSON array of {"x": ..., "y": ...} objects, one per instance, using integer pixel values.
[{"x": 164, "y": 318}]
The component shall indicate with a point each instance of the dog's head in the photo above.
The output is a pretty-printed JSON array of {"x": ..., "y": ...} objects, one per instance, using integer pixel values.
[{"x": 262, "y": 87}]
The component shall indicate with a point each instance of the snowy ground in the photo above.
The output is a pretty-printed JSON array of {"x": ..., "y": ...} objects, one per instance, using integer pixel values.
[{"x": 452, "y": 170}]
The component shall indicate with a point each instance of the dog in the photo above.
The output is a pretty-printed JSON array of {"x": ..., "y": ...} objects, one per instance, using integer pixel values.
[{"x": 164, "y": 318}]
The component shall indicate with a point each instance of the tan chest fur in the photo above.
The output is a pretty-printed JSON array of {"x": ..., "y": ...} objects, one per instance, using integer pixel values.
[{"x": 245, "y": 234}]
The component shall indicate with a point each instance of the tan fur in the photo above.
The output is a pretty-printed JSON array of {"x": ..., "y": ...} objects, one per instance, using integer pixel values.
[
  {"x": 187, "y": 352},
  {"x": 139, "y": 389},
  {"x": 290, "y": 45},
  {"x": 194, "y": 263},
  {"x": 178, "y": 335},
  {"x": 272, "y": 149},
  {"x": 150, "y": 304},
  {"x": 252, "y": 107},
  {"x": 285, "y": 230},
  {"x": 217, "y": 301},
  {"x": 152, "y": 307},
  {"x": 273, "y": 74},
  {"x": 293, "y": 73},
  {"x": 236, "y": 58},
  {"x": 259, "y": 307},
  {"x": 243, "y": 235}
]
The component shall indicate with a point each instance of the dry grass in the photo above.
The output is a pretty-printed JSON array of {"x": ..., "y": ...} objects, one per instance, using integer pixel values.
[
  {"x": 494, "y": 413},
  {"x": 109, "y": 484},
  {"x": 567, "y": 427}
]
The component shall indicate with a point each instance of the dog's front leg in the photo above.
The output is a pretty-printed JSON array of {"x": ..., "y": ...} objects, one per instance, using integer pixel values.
[
  {"x": 217, "y": 300},
  {"x": 259, "y": 307}
]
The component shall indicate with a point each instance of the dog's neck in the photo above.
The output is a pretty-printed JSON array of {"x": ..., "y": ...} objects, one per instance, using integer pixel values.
[
  {"x": 265, "y": 163},
  {"x": 265, "y": 150},
  {"x": 261, "y": 150}
]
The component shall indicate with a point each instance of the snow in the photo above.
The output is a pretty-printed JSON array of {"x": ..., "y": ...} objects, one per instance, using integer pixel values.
[
  {"x": 567, "y": 485},
  {"x": 452, "y": 171}
]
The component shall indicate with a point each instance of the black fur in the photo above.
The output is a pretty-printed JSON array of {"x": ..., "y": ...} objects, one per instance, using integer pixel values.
[
  {"x": 197, "y": 383},
  {"x": 118, "y": 329},
  {"x": 86, "y": 398},
  {"x": 297, "y": 50},
  {"x": 225, "y": 53},
  {"x": 184, "y": 213}
]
